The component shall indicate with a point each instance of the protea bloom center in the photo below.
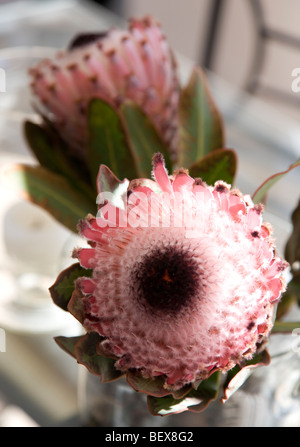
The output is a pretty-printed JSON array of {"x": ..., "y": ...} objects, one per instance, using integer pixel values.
[{"x": 179, "y": 295}]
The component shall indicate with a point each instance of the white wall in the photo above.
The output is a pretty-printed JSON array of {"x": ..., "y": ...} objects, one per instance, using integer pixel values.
[{"x": 185, "y": 24}]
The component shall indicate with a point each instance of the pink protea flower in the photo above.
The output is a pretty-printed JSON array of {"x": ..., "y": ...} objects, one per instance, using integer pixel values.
[
  {"x": 136, "y": 64},
  {"x": 178, "y": 295}
]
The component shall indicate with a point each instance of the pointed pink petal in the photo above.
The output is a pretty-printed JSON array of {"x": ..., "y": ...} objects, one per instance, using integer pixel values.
[
  {"x": 237, "y": 206},
  {"x": 275, "y": 285},
  {"x": 160, "y": 173},
  {"x": 253, "y": 219},
  {"x": 92, "y": 232},
  {"x": 87, "y": 285},
  {"x": 86, "y": 257},
  {"x": 182, "y": 181}
]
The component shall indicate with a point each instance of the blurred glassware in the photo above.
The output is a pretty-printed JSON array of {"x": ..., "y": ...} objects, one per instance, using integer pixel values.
[
  {"x": 33, "y": 245},
  {"x": 33, "y": 241},
  {"x": 269, "y": 398}
]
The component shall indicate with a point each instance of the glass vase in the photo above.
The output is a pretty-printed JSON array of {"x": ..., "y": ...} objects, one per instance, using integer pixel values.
[{"x": 269, "y": 398}]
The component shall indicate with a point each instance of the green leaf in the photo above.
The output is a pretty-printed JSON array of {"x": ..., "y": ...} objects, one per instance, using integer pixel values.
[
  {"x": 293, "y": 287},
  {"x": 195, "y": 401},
  {"x": 292, "y": 248},
  {"x": 61, "y": 291},
  {"x": 201, "y": 125},
  {"x": 87, "y": 354},
  {"x": 76, "y": 306},
  {"x": 54, "y": 154},
  {"x": 107, "y": 142},
  {"x": 209, "y": 387},
  {"x": 50, "y": 191},
  {"x": 153, "y": 386},
  {"x": 41, "y": 145},
  {"x": 292, "y": 255},
  {"x": 208, "y": 390},
  {"x": 285, "y": 326},
  {"x": 144, "y": 139},
  {"x": 240, "y": 373},
  {"x": 288, "y": 299},
  {"x": 220, "y": 164},
  {"x": 108, "y": 182},
  {"x": 68, "y": 344},
  {"x": 262, "y": 190},
  {"x": 165, "y": 406}
]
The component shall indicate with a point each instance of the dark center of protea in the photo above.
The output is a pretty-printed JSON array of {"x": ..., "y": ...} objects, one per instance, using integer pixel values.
[{"x": 166, "y": 280}]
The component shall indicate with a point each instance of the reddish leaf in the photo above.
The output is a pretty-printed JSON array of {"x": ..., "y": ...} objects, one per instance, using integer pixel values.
[{"x": 261, "y": 192}]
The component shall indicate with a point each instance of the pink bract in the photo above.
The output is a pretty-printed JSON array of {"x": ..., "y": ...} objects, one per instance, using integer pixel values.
[
  {"x": 137, "y": 64},
  {"x": 176, "y": 299}
]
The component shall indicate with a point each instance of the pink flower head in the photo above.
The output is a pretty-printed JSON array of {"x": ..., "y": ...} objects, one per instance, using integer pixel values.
[
  {"x": 185, "y": 277},
  {"x": 136, "y": 64}
]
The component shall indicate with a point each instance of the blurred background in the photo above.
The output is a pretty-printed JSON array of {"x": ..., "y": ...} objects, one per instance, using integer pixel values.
[
  {"x": 253, "y": 44},
  {"x": 250, "y": 49}
]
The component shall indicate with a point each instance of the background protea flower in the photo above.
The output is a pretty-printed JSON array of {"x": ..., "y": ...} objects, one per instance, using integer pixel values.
[
  {"x": 177, "y": 302},
  {"x": 114, "y": 99},
  {"x": 116, "y": 65}
]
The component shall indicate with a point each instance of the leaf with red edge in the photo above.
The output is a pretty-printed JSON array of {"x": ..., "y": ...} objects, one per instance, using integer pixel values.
[
  {"x": 54, "y": 154},
  {"x": 194, "y": 401},
  {"x": 68, "y": 344},
  {"x": 262, "y": 190},
  {"x": 108, "y": 141},
  {"x": 292, "y": 248},
  {"x": 200, "y": 123},
  {"x": 144, "y": 139},
  {"x": 61, "y": 291},
  {"x": 76, "y": 307},
  {"x": 220, "y": 164},
  {"x": 107, "y": 182},
  {"x": 288, "y": 300},
  {"x": 239, "y": 374},
  {"x": 50, "y": 191},
  {"x": 285, "y": 327},
  {"x": 154, "y": 386},
  {"x": 87, "y": 354}
]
